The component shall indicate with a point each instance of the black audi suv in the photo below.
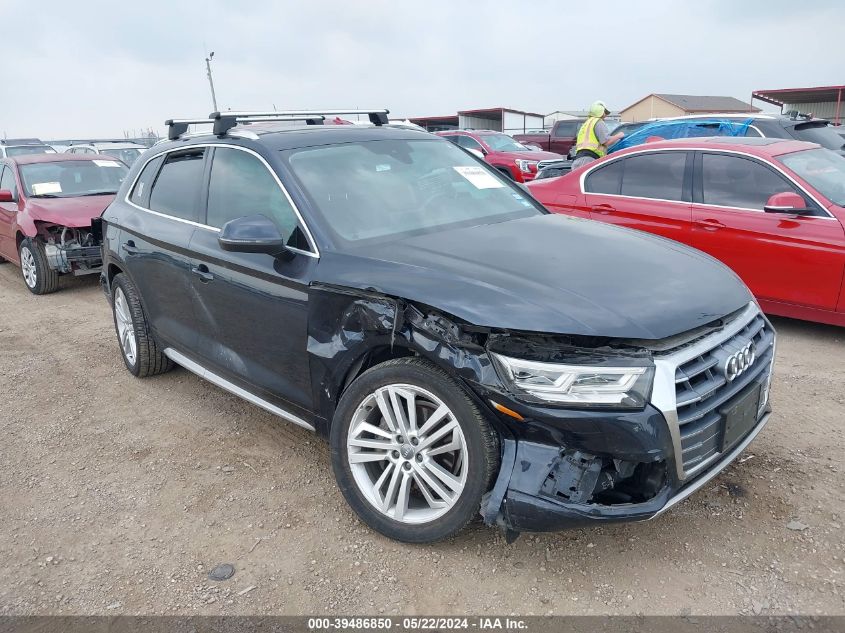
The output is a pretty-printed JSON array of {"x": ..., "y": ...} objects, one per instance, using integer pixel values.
[{"x": 464, "y": 351}]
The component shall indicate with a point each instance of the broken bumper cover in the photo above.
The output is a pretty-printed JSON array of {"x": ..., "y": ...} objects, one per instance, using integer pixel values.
[
  {"x": 79, "y": 260},
  {"x": 543, "y": 488}
]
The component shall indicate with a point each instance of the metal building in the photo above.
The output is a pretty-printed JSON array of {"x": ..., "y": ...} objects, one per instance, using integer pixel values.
[
  {"x": 824, "y": 102},
  {"x": 505, "y": 120}
]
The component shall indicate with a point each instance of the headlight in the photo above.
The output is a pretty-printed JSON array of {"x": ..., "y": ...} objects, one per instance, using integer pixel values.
[
  {"x": 526, "y": 166},
  {"x": 599, "y": 386}
]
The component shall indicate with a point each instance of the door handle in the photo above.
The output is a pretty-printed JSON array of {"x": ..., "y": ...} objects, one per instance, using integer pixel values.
[
  {"x": 603, "y": 209},
  {"x": 201, "y": 271},
  {"x": 710, "y": 224},
  {"x": 130, "y": 248}
]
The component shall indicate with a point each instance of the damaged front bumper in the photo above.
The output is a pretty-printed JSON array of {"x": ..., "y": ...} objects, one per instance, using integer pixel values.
[
  {"x": 72, "y": 250},
  {"x": 563, "y": 468},
  {"x": 77, "y": 260},
  {"x": 530, "y": 494}
]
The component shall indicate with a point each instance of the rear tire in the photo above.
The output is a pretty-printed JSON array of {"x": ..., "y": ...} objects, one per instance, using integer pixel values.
[
  {"x": 140, "y": 352},
  {"x": 39, "y": 278},
  {"x": 411, "y": 452}
]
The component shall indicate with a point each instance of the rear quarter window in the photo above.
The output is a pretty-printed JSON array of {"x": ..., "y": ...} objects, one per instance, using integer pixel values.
[
  {"x": 141, "y": 191},
  {"x": 606, "y": 179}
]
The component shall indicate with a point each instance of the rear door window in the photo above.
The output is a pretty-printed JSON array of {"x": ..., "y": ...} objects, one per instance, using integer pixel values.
[
  {"x": 176, "y": 190},
  {"x": 735, "y": 181},
  {"x": 655, "y": 175}
]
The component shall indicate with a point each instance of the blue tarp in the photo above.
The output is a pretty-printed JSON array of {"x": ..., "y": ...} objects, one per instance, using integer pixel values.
[{"x": 683, "y": 128}]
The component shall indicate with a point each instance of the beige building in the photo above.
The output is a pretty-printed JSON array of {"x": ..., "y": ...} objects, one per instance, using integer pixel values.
[{"x": 666, "y": 105}]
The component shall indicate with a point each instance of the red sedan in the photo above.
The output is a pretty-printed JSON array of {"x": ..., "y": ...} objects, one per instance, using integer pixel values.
[
  {"x": 771, "y": 209},
  {"x": 47, "y": 203}
]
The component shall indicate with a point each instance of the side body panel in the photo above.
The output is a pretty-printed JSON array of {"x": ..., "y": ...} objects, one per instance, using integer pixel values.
[
  {"x": 160, "y": 268},
  {"x": 9, "y": 214},
  {"x": 252, "y": 317}
]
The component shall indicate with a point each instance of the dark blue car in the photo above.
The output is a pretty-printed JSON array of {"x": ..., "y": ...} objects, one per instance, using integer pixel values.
[{"x": 464, "y": 351}]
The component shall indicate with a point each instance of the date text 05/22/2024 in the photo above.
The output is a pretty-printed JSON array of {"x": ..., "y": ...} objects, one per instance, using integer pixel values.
[{"x": 418, "y": 623}]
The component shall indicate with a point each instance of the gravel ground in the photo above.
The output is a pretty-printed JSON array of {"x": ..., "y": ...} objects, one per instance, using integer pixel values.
[{"x": 119, "y": 495}]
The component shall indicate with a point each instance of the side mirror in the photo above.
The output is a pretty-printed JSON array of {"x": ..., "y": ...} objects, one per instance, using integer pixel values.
[
  {"x": 786, "y": 202},
  {"x": 478, "y": 153},
  {"x": 251, "y": 234},
  {"x": 6, "y": 196}
]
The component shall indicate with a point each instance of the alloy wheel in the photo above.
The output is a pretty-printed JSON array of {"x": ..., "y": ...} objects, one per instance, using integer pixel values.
[
  {"x": 407, "y": 453},
  {"x": 125, "y": 328},
  {"x": 30, "y": 273}
]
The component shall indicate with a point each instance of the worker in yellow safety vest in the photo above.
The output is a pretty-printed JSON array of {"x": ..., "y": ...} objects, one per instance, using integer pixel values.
[{"x": 593, "y": 138}]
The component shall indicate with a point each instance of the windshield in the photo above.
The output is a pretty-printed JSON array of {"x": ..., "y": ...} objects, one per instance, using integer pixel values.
[
  {"x": 387, "y": 189},
  {"x": 72, "y": 178},
  {"x": 823, "y": 169},
  {"x": 502, "y": 143},
  {"x": 127, "y": 154},
  {"x": 22, "y": 150},
  {"x": 821, "y": 133}
]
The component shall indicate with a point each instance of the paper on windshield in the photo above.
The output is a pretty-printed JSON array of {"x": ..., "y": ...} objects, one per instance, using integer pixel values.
[
  {"x": 40, "y": 188},
  {"x": 107, "y": 163},
  {"x": 479, "y": 177}
]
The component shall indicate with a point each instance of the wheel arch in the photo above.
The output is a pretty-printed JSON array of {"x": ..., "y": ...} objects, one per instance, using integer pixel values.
[
  {"x": 112, "y": 271},
  {"x": 350, "y": 331}
]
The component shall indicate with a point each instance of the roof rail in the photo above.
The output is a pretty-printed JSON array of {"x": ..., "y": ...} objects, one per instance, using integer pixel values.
[{"x": 225, "y": 121}]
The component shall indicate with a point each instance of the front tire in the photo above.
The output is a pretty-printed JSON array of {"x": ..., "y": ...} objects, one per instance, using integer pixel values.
[
  {"x": 140, "y": 352},
  {"x": 411, "y": 452},
  {"x": 39, "y": 278}
]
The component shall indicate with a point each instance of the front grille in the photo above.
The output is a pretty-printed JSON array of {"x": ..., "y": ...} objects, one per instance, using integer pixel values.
[
  {"x": 702, "y": 389},
  {"x": 556, "y": 162}
]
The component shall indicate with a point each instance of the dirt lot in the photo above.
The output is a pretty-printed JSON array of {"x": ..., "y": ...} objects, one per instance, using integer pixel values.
[{"x": 118, "y": 495}]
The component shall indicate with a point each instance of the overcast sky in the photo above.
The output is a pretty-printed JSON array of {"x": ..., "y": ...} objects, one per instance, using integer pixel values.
[{"x": 91, "y": 68}]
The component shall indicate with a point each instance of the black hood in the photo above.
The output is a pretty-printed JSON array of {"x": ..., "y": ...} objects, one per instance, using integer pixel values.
[{"x": 549, "y": 273}]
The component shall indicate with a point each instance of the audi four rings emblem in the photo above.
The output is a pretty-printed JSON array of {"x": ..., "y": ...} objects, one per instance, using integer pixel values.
[{"x": 739, "y": 361}]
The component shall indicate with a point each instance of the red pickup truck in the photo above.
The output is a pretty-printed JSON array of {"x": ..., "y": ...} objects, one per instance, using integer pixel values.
[
  {"x": 559, "y": 139},
  {"x": 499, "y": 150}
]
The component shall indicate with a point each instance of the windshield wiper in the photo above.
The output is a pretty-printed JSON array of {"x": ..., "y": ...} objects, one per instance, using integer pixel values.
[
  {"x": 98, "y": 193},
  {"x": 44, "y": 195}
]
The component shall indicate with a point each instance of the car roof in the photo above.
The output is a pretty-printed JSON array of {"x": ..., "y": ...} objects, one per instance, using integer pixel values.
[
  {"x": 27, "y": 159},
  {"x": 116, "y": 145},
  {"x": 752, "y": 145},
  {"x": 283, "y": 138},
  {"x": 745, "y": 116},
  {"x": 469, "y": 132}
]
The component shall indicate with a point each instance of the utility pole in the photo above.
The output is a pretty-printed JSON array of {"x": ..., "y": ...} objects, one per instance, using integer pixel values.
[{"x": 211, "y": 80}]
